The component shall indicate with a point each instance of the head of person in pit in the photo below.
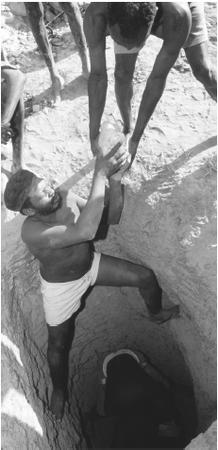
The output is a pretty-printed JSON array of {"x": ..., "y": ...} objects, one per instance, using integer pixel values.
[
  {"x": 130, "y": 23},
  {"x": 31, "y": 195}
]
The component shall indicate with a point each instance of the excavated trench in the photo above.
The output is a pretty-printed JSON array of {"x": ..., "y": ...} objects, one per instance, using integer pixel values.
[
  {"x": 26, "y": 382},
  {"x": 183, "y": 350},
  {"x": 113, "y": 319}
]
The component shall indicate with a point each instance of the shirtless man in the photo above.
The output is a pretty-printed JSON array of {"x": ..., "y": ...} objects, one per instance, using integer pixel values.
[
  {"x": 59, "y": 231},
  {"x": 179, "y": 24},
  {"x": 35, "y": 13},
  {"x": 12, "y": 110}
]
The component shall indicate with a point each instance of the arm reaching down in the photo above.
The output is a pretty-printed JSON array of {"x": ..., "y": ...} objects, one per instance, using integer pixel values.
[{"x": 176, "y": 29}]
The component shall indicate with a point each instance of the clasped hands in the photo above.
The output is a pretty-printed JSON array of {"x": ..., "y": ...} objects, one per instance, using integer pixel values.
[{"x": 127, "y": 146}]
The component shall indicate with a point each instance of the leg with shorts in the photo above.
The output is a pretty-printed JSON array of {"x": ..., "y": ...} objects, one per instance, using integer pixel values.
[
  {"x": 196, "y": 49},
  {"x": 61, "y": 302},
  {"x": 119, "y": 272}
]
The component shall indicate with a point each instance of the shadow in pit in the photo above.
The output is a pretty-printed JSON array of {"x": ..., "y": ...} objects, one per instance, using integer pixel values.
[
  {"x": 141, "y": 408},
  {"x": 168, "y": 171}
]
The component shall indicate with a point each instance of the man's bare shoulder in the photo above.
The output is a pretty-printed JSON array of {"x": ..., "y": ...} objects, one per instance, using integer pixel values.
[{"x": 30, "y": 227}]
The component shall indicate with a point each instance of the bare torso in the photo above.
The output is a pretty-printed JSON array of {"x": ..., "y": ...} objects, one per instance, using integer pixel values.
[
  {"x": 60, "y": 264},
  {"x": 165, "y": 25}
]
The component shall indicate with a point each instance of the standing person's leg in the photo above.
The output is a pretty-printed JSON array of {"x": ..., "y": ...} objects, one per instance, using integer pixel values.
[
  {"x": 59, "y": 342},
  {"x": 75, "y": 21},
  {"x": 196, "y": 49},
  {"x": 17, "y": 125},
  {"x": 202, "y": 68},
  {"x": 35, "y": 13},
  {"x": 12, "y": 113},
  {"x": 119, "y": 272},
  {"x": 124, "y": 70}
]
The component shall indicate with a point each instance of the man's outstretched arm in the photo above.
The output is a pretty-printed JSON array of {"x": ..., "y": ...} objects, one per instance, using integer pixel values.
[
  {"x": 94, "y": 29},
  {"x": 178, "y": 24},
  {"x": 124, "y": 70}
]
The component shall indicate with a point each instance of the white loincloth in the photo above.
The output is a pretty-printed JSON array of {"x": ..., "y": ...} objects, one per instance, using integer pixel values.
[{"x": 61, "y": 300}]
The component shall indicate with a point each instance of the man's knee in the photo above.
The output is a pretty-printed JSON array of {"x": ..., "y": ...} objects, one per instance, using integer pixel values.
[
  {"x": 147, "y": 278},
  {"x": 123, "y": 76},
  {"x": 203, "y": 72}
]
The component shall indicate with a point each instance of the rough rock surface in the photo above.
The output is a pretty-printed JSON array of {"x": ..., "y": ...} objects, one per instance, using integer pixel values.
[{"x": 168, "y": 223}]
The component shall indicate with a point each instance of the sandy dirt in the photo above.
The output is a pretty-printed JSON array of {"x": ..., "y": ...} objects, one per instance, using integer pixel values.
[{"x": 56, "y": 140}]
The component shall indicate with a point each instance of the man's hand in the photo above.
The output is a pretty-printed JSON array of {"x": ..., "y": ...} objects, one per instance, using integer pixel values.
[{"x": 113, "y": 161}]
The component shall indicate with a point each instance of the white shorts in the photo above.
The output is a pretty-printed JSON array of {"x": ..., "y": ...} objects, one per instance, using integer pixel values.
[
  {"x": 61, "y": 300},
  {"x": 198, "y": 33}
]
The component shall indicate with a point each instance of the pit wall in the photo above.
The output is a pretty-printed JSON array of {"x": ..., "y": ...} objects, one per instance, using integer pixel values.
[{"x": 169, "y": 224}]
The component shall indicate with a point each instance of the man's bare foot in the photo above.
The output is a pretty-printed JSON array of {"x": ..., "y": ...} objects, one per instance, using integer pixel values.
[
  {"x": 57, "y": 86},
  {"x": 164, "y": 315},
  {"x": 57, "y": 403}
]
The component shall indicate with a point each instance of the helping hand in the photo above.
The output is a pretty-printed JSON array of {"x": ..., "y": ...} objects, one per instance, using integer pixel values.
[{"x": 113, "y": 161}]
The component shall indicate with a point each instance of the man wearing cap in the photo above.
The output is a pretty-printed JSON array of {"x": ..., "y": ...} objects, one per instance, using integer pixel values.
[
  {"x": 178, "y": 24},
  {"x": 59, "y": 231}
]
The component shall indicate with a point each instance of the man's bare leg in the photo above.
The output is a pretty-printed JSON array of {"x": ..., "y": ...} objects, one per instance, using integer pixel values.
[
  {"x": 75, "y": 21},
  {"x": 119, "y": 272},
  {"x": 35, "y": 13},
  {"x": 202, "y": 68},
  {"x": 12, "y": 113},
  {"x": 17, "y": 125},
  {"x": 59, "y": 342}
]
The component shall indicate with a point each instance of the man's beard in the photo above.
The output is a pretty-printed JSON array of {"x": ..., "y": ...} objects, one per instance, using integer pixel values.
[{"x": 54, "y": 205}]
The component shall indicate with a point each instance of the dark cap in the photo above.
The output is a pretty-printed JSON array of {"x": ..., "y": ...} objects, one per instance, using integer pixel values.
[{"x": 17, "y": 189}]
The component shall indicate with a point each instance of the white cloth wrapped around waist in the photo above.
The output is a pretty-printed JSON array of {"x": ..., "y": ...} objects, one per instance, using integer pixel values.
[{"x": 61, "y": 300}]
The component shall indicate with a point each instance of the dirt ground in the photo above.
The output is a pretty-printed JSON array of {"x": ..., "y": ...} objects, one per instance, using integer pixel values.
[{"x": 56, "y": 140}]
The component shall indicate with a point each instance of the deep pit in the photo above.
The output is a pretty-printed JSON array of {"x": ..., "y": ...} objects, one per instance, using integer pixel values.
[{"x": 112, "y": 319}]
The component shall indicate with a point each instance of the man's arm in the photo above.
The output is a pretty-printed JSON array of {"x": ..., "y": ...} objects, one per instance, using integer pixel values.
[
  {"x": 176, "y": 29},
  {"x": 124, "y": 70},
  {"x": 116, "y": 200},
  {"x": 59, "y": 236},
  {"x": 95, "y": 28}
]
